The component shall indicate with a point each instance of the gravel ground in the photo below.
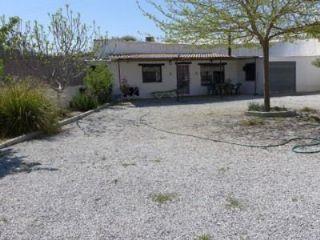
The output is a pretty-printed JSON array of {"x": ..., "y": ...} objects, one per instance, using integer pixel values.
[{"x": 102, "y": 177}]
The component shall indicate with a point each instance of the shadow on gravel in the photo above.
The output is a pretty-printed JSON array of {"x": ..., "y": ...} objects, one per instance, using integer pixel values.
[
  {"x": 190, "y": 100},
  {"x": 11, "y": 164}
]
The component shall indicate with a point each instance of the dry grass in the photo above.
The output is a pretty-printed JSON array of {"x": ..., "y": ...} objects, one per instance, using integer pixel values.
[
  {"x": 252, "y": 122},
  {"x": 308, "y": 110}
]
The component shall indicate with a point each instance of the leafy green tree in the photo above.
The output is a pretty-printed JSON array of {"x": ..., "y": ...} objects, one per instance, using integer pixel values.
[
  {"x": 7, "y": 29},
  {"x": 7, "y": 33},
  {"x": 241, "y": 21},
  {"x": 129, "y": 38}
]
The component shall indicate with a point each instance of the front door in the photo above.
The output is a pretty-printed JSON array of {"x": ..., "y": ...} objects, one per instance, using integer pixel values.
[{"x": 183, "y": 78}]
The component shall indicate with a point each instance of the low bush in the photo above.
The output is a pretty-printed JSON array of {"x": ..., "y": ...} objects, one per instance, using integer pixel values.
[
  {"x": 253, "y": 106},
  {"x": 97, "y": 90},
  {"x": 83, "y": 102},
  {"x": 24, "y": 108},
  {"x": 98, "y": 82}
]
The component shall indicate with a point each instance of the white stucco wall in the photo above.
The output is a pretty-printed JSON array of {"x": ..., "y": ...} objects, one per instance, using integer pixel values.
[
  {"x": 65, "y": 96},
  {"x": 303, "y": 52},
  {"x": 132, "y": 72},
  {"x": 307, "y": 75}
]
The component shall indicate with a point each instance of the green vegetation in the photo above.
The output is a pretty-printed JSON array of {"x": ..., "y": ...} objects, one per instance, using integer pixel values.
[
  {"x": 97, "y": 91},
  {"x": 162, "y": 198},
  {"x": 7, "y": 29},
  {"x": 98, "y": 82},
  {"x": 223, "y": 169},
  {"x": 256, "y": 107},
  {"x": 237, "y": 22},
  {"x": 233, "y": 203},
  {"x": 128, "y": 164},
  {"x": 24, "y": 109},
  {"x": 204, "y": 237},
  {"x": 253, "y": 106},
  {"x": 128, "y": 38},
  {"x": 83, "y": 102}
]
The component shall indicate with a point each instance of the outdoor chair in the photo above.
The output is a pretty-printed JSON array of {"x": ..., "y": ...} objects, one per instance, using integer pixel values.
[
  {"x": 237, "y": 88},
  {"x": 212, "y": 89},
  {"x": 128, "y": 91}
]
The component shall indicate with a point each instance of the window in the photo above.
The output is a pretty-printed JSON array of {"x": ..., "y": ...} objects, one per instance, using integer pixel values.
[
  {"x": 211, "y": 74},
  {"x": 250, "y": 71},
  {"x": 151, "y": 73}
]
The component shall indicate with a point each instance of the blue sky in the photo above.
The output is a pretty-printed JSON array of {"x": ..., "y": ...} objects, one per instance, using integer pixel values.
[{"x": 117, "y": 17}]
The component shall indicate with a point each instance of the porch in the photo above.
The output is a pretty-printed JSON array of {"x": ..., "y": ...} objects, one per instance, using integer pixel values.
[{"x": 143, "y": 75}]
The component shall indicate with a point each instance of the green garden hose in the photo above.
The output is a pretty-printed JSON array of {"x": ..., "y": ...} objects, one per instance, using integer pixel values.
[{"x": 303, "y": 148}]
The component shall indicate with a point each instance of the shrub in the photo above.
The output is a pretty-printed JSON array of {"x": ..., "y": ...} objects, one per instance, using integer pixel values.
[
  {"x": 98, "y": 82},
  {"x": 253, "y": 106},
  {"x": 24, "y": 108},
  {"x": 83, "y": 102}
]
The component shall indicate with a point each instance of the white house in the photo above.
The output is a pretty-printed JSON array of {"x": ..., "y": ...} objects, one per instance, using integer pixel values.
[{"x": 153, "y": 67}]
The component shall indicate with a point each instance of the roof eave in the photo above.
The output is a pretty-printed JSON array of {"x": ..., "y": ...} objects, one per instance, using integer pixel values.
[{"x": 172, "y": 59}]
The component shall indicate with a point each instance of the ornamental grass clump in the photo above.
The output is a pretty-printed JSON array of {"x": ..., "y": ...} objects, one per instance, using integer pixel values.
[
  {"x": 24, "y": 109},
  {"x": 83, "y": 102}
]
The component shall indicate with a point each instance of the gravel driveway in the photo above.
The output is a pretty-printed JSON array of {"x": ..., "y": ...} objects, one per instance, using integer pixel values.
[{"x": 110, "y": 176}]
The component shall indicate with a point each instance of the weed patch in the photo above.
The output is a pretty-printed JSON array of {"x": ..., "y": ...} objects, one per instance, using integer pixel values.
[
  {"x": 204, "y": 237},
  {"x": 252, "y": 122},
  {"x": 162, "y": 198},
  {"x": 128, "y": 164},
  {"x": 257, "y": 107},
  {"x": 233, "y": 203}
]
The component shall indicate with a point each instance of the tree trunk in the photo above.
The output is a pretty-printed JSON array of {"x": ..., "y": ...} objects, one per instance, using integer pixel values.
[{"x": 266, "y": 76}]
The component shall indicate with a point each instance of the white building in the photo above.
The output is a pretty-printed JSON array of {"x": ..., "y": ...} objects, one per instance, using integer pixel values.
[{"x": 153, "y": 67}]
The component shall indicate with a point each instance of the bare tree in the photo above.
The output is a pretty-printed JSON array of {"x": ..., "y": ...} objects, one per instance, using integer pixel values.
[{"x": 57, "y": 52}]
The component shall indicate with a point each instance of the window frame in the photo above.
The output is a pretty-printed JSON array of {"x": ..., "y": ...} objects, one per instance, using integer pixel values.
[
  {"x": 221, "y": 70},
  {"x": 159, "y": 65}
]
